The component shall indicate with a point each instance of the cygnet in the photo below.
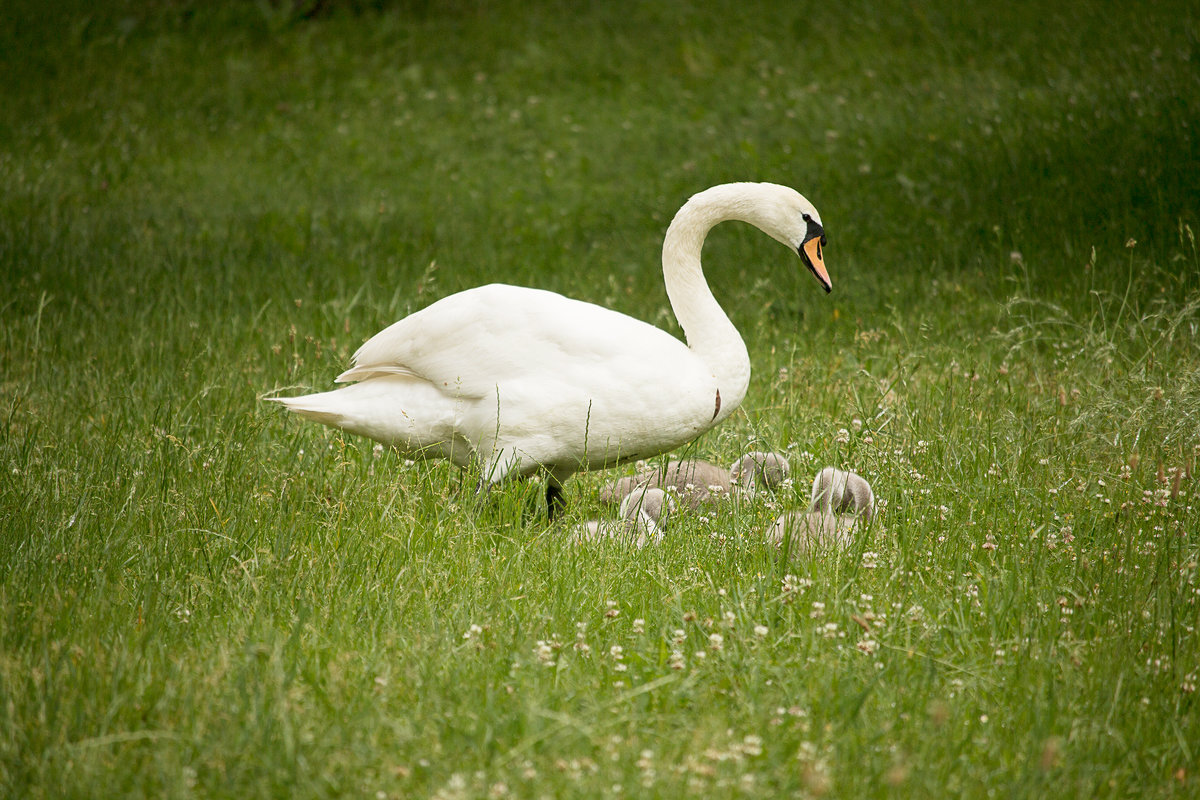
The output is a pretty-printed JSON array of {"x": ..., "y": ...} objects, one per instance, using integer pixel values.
[
  {"x": 758, "y": 470},
  {"x": 842, "y": 492},
  {"x": 840, "y": 501},
  {"x": 643, "y": 513},
  {"x": 696, "y": 482}
]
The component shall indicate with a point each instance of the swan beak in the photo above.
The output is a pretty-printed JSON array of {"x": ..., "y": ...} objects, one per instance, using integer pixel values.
[{"x": 810, "y": 253}]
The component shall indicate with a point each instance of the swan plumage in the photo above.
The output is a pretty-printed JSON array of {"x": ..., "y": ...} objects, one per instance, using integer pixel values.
[{"x": 520, "y": 380}]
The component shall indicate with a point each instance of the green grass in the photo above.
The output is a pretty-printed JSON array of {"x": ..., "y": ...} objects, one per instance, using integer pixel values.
[{"x": 204, "y": 203}]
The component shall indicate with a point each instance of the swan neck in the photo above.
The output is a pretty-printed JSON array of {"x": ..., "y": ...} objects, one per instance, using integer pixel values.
[{"x": 708, "y": 330}]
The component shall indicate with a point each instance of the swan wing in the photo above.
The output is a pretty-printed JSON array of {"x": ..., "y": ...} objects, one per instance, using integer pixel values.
[{"x": 472, "y": 342}]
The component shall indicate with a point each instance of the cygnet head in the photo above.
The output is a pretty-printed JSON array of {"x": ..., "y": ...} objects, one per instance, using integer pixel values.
[
  {"x": 646, "y": 507},
  {"x": 757, "y": 470},
  {"x": 841, "y": 492}
]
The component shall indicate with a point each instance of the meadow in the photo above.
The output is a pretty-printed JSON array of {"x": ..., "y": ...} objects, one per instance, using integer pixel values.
[{"x": 209, "y": 203}]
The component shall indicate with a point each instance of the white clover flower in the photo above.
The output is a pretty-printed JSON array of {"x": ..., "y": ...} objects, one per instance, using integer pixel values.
[
  {"x": 868, "y": 646},
  {"x": 843, "y": 436},
  {"x": 761, "y": 631},
  {"x": 544, "y": 653}
]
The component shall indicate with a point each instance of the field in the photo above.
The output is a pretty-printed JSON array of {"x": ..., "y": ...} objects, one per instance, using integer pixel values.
[{"x": 209, "y": 203}]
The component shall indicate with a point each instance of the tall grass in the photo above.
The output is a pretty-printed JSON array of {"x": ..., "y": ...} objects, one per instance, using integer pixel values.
[{"x": 205, "y": 203}]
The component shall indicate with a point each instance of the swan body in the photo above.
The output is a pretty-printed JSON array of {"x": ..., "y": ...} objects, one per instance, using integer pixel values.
[{"x": 520, "y": 380}]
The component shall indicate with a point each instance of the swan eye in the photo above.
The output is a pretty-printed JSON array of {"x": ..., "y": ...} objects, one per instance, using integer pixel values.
[{"x": 806, "y": 217}]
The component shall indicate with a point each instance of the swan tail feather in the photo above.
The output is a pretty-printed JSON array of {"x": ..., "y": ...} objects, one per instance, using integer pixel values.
[
  {"x": 304, "y": 407},
  {"x": 361, "y": 372}
]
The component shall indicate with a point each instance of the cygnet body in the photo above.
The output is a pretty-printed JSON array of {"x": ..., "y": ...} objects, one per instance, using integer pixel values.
[
  {"x": 840, "y": 501},
  {"x": 696, "y": 483},
  {"x": 642, "y": 514},
  {"x": 758, "y": 470}
]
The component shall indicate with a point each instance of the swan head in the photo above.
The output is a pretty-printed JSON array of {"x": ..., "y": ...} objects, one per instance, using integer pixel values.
[{"x": 788, "y": 217}]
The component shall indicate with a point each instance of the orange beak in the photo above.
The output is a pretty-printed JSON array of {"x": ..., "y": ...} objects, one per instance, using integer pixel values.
[{"x": 810, "y": 252}]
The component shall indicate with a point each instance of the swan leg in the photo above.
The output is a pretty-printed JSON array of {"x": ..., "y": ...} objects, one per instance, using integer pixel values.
[{"x": 556, "y": 502}]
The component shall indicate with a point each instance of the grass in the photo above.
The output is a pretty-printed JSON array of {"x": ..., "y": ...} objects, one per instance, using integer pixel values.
[{"x": 205, "y": 203}]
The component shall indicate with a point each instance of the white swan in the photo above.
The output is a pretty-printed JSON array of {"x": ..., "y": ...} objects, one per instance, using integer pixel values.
[{"x": 519, "y": 380}]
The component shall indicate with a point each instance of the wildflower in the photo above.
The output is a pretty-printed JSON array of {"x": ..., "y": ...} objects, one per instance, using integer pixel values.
[
  {"x": 677, "y": 636},
  {"x": 792, "y": 584},
  {"x": 676, "y": 661},
  {"x": 544, "y": 653},
  {"x": 618, "y": 655},
  {"x": 870, "y": 559},
  {"x": 472, "y": 632},
  {"x": 639, "y": 625},
  {"x": 761, "y": 631},
  {"x": 843, "y": 436},
  {"x": 716, "y": 642},
  {"x": 868, "y": 646},
  {"x": 818, "y": 610},
  {"x": 856, "y": 424}
]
